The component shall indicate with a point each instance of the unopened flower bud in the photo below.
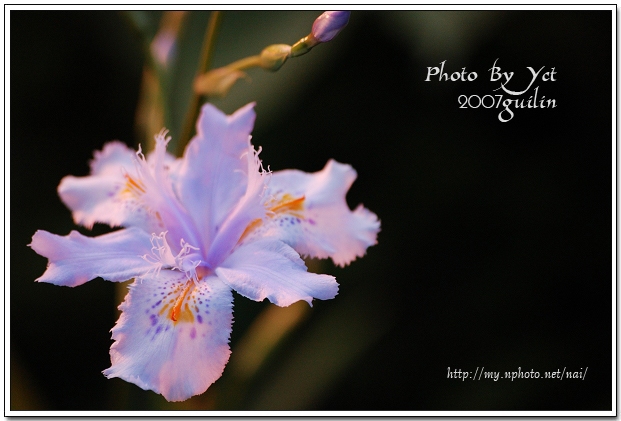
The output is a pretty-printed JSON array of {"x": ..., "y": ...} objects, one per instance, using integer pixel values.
[
  {"x": 329, "y": 24},
  {"x": 164, "y": 44},
  {"x": 274, "y": 56}
]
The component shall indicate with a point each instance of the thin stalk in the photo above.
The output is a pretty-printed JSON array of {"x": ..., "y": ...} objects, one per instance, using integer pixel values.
[
  {"x": 208, "y": 45},
  {"x": 245, "y": 63}
]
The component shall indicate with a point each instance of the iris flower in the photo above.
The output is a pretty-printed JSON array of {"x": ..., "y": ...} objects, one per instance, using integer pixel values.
[{"x": 194, "y": 229}]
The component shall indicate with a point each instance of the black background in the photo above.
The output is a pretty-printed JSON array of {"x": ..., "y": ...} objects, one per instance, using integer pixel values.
[{"x": 496, "y": 241}]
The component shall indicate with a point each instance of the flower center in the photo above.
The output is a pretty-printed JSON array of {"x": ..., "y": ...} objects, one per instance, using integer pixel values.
[
  {"x": 187, "y": 260},
  {"x": 180, "y": 311}
]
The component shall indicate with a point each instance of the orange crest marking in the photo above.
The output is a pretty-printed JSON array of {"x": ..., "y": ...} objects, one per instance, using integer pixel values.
[
  {"x": 133, "y": 187},
  {"x": 286, "y": 204},
  {"x": 180, "y": 313}
]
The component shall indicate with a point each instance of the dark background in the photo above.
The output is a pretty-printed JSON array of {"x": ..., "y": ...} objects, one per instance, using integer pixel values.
[{"x": 496, "y": 241}]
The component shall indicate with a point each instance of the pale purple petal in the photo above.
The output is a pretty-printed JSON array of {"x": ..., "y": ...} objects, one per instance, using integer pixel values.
[
  {"x": 271, "y": 269},
  {"x": 248, "y": 209},
  {"x": 100, "y": 199},
  {"x": 108, "y": 195},
  {"x": 113, "y": 156},
  {"x": 321, "y": 224},
  {"x": 157, "y": 193},
  {"x": 76, "y": 259},
  {"x": 177, "y": 358},
  {"x": 212, "y": 176}
]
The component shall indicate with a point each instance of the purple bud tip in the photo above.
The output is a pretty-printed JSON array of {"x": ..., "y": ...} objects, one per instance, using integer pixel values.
[{"x": 329, "y": 24}]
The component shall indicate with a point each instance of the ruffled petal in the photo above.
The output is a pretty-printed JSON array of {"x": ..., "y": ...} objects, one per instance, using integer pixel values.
[
  {"x": 248, "y": 209},
  {"x": 76, "y": 259},
  {"x": 310, "y": 213},
  {"x": 109, "y": 194},
  {"x": 113, "y": 156},
  {"x": 271, "y": 269},
  {"x": 155, "y": 191},
  {"x": 100, "y": 199},
  {"x": 212, "y": 176},
  {"x": 173, "y": 335}
]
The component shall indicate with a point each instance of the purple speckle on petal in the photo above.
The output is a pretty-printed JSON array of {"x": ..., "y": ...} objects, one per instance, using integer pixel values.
[
  {"x": 199, "y": 318},
  {"x": 311, "y": 221},
  {"x": 153, "y": 319},
  {"x": 159, "y": 329},
  {"x": 193, "y": 333}
]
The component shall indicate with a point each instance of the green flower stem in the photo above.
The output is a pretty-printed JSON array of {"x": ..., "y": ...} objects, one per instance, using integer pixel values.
[
  {"x": 303, "y": 46},
  {"x": 245, "y": 63},
  {"x": 193, "y": 110}
]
